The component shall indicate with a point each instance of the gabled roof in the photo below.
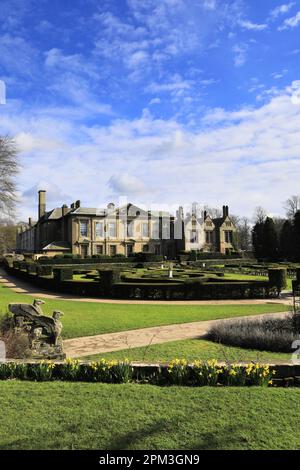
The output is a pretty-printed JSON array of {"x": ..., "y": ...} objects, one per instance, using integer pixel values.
[{"x": 55, "y": 213}]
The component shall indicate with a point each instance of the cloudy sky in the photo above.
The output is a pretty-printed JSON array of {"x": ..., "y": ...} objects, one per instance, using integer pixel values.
[{"x": 160, "y": 101}]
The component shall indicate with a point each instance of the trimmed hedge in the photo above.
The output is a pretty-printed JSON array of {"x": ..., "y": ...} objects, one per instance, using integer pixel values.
[
  {"x": 194, "y": 290},
  {"x": 277, "y": 278},
  {"x": 109, "y": 285},
  {"x": 88, "y": 260}
]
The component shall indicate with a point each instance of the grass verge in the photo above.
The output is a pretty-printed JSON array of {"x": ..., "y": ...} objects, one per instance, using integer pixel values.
[{"x": 101, "y": 416}]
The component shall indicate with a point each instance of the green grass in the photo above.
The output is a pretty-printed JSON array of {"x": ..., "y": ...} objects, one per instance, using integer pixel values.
[
  {"x": 91, "y": 318},
  {"x": 250, "y": 277},
  {"x": 193, "y": 349},
  {"x": 101, "y": 416}
]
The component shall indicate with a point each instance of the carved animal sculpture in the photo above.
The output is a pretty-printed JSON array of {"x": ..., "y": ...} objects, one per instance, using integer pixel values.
[{"x": 32, "y": 314}]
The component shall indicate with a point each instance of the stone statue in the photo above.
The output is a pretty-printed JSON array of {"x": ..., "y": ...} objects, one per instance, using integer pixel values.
[{"x": 44, "y": 333}]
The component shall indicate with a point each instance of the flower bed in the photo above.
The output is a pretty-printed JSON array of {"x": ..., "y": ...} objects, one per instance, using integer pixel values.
[{"x": 177, "y": 372}]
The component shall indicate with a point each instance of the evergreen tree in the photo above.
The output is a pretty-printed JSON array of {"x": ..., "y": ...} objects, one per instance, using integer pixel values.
[
  {"x": 286, "y": 240},
  {"x": 296, "y": 236},
  {"x": 270, "y": 240},
  {"x": 257, "y": 239}
]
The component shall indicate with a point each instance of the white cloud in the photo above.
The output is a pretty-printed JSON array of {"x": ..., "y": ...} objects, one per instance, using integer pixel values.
[
  {"x": 247, "y": 156},
  {"x": 125, "y": 184},
  {"x": 210, "y": 4},
  {"x": 290, "y": 23},
  {"x": 240, "y": 54},
  {"x": 246, "y": 24},
  {"x": 281, "y": 10}
]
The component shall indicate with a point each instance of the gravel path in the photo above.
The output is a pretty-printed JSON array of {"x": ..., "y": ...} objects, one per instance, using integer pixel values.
[{"x": 99, "y": 344}]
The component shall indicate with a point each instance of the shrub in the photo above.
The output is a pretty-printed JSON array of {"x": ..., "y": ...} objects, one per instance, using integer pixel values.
[
  {"x": 63, "y": 274},
  {"x": 277, "y": 278},
  {"x": 267, "y": 334}
]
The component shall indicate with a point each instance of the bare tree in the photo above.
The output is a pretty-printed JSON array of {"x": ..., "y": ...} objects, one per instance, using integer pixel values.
[
  {"x": 292, "y": 205},
  {"x": 214, "y": 212},
  {"x": 244, "y": 233},
  {"x": 259, "y": 215},
  {"x": 8, "y": 170}
]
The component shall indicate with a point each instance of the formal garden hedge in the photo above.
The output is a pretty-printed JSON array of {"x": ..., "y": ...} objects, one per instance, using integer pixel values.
[{"x": 147, "y": 284}]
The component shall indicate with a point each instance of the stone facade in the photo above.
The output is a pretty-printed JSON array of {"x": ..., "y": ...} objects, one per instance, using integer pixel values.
[{"x": 122, "y": 231}]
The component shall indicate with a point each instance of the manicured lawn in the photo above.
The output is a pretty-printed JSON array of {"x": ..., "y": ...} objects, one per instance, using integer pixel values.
[
  {"x": 249, "y": 277},
  {"x": 89, "y": 318},
  {"x": 101, "y": 416},
  {"x": 192, "y": 349}
]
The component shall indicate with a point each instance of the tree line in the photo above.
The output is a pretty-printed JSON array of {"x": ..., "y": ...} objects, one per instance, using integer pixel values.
[{"x": 276, "y": 239}]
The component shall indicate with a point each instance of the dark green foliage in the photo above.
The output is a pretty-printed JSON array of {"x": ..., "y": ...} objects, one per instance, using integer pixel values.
[
  {"x": 278, "y": 278},
  {"x": 270, "y": 240},
  {"x": 257, "y": 239},
  {"x": 64, "y": 274},
  {"x": 286, "y": 240},
  {"x": 296, "y": 236}
]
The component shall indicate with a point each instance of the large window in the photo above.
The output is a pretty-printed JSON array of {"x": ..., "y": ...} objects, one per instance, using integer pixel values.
[
  {"x": 193, "y": 236},
  {"x": 155, "y": 229},
  {"x": 83, "y": 228},
  {"x": 145, "y": 230},
  {"x": 208, "y": 237},
  {"x": 112, "y": 250},
  {"x": 99, "y": 250},
  {"x": 99, "y": 229},
  {"x": 112, "y": 229},
  {"x": 130, "y": 229},
  {"x": 228, "y": 236}
]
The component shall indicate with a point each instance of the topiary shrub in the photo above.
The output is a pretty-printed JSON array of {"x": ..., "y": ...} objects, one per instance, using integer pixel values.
[
  {"x": 63, "y": 274},
  {"x": 278, "y": 278}
]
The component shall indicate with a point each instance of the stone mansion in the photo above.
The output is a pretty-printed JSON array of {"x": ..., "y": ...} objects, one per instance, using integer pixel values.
[{"x": 123, "y": 230}]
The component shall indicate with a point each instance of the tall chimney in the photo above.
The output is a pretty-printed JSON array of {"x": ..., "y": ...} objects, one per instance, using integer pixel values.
[
  {"x": 42, "y": 203},
  {"x": 227, "y": 211},
  {"x": 30, "y": 222},
  {"x": 224, "y": 212},
  {"x": 64, "y": 210},
  {"x": 205, "y": 215}
]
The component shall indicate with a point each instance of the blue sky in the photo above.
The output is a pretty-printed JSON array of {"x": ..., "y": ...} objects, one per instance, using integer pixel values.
[{"x": 163, "y": 102}]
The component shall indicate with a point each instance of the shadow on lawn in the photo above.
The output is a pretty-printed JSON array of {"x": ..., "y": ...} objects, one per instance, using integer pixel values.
[
  {"x": 226, "y": 438},
  {"x": 230, "y": 437}
]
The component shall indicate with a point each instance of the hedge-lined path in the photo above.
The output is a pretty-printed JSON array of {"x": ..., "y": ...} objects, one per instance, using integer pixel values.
[
  {"x": 100, "y": 344},
  {"x": 22, "y": 287}
]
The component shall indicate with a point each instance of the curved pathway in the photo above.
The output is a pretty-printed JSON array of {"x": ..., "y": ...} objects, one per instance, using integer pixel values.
[
  {"x": 22, "y": 287},
  {"x": 99, "y": 344}
]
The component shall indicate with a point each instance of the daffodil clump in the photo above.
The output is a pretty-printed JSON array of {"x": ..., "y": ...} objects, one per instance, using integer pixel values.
[
  {"x": 109, "y": 371},
  {"x": 179, "y": 372},
  {"x": 41, "y": 371},
  {"x": 206, "y": 373},
  {"x": 259, "y": 374},
  {"x": 211, "y": 373},
  {"x": 71, "y": 369}
]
